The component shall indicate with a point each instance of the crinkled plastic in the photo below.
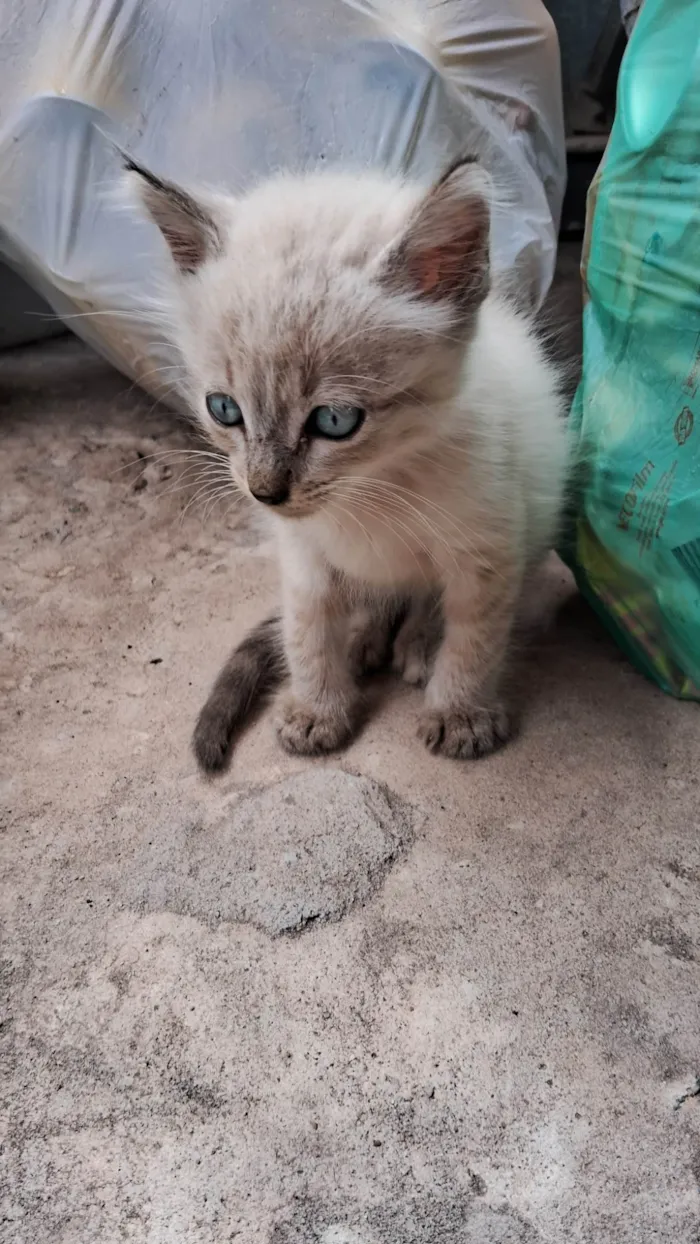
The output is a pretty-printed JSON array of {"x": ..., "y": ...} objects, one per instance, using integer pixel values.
[
  {"x": 635, "y": 544},
  {"x": 224, "y": 92}
]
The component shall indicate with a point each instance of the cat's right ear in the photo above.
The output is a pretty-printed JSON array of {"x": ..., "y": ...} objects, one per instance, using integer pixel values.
[{"x": 187, "y": 224}]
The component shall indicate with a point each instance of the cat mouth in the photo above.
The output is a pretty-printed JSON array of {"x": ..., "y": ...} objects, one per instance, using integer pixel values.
[
  {"x": 292, "y": 503},
  {"x": 289, "y": 508}
]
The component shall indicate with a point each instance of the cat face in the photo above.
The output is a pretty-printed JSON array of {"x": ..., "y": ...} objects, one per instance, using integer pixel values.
[{"x": 323, "y": 320}]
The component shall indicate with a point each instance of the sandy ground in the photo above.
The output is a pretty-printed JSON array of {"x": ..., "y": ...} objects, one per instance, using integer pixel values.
[{"x": 378, "y": 999}]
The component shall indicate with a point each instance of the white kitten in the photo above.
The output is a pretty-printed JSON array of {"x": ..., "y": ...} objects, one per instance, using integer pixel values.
[{"x": 396, "y": 418}]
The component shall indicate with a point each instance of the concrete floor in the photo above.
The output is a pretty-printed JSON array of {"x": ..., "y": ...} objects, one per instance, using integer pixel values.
[{"x": 378, "y": 999}]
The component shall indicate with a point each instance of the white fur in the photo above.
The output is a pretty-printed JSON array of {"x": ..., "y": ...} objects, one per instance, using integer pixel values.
[{"x": 354, "y": 290}]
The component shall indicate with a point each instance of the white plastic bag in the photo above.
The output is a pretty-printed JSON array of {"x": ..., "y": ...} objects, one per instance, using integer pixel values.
[{"x": 226, "y": 91}]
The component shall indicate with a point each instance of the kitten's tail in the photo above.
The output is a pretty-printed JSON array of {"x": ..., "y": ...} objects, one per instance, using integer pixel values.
[{"x": 254, "y": 669}]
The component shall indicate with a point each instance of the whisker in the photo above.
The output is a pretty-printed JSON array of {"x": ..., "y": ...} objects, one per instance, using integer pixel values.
[
  {"x": 206, "y": 470},
  {"x": 385, "y": 520},
  {"x": 203, "y": 492},
  {"x": 216, "y": 496},
  {"x": 366, "y": 533},
  {"x": 122, "y": 313},
  {"x": 379, "y": 490},
  {"x": 376, "y": 512},
  {"x": 475, "y": 549},
  {"x": 437, "y": 465},
  {"x": 167, "y": 453},
  {"x": 190, "y": 483},
  {"x": 369, "y": 495},
  {"x": 155, "y": 371},
  {"x": 438, "y": 535},
  {"x": 471, "y": 537}
]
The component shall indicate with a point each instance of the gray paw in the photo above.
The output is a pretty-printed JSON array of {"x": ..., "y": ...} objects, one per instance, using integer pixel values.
[
  {"x": 305, "y": 730},
  {"x": 464, "y": 734}
]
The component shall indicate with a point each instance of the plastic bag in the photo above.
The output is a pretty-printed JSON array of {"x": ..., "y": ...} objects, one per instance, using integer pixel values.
[
  {"x": 225, "y": 91},
  {"x": 635, "y": 543}
]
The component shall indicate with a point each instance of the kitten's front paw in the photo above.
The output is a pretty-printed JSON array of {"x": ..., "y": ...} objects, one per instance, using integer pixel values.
[
  {"x": 307, "y": 730},
  {"x": 465, "y": 734}
]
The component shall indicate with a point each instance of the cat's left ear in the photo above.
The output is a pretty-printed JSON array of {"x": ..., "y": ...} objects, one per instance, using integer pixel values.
[
  {"x": 188, "y": 225},
  {"x": 443, "y": 255}
]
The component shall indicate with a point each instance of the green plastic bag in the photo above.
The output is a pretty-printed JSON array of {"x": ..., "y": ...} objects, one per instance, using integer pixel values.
[{"x": 634, "y": 539}]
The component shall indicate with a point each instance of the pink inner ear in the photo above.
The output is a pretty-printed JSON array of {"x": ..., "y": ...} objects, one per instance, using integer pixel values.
[
  {"x": 453, "y": 268},
  {"x": 428, "y": 271}
]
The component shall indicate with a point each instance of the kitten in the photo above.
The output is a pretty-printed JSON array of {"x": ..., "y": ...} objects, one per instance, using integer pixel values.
[{"x": 396, "y": 419}]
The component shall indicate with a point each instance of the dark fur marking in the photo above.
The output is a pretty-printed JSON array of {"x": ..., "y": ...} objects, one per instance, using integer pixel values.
[
  {"x": 187, "y": 227},
  {"x": 459, "y": 162},
  {"x": 254, "y": 670}
]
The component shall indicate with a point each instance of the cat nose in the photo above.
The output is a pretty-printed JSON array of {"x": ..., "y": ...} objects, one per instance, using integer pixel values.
[{"x": 278, "y": 497}]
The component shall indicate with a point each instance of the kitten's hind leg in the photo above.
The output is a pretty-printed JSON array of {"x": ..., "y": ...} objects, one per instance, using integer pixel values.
[
  {"x": 418, "y": 639},
  {"x": 372, "y": 628}
]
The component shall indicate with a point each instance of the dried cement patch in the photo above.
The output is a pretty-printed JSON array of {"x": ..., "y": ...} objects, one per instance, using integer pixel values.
[
  {"x": 305, "y": 849},
  {"x": 414, "y": 1220}
]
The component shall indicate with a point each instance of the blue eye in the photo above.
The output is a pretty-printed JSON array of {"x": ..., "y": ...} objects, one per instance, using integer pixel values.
[
  {"x": 224, "y": 409},
  {"x": 334, "y": 422}
]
